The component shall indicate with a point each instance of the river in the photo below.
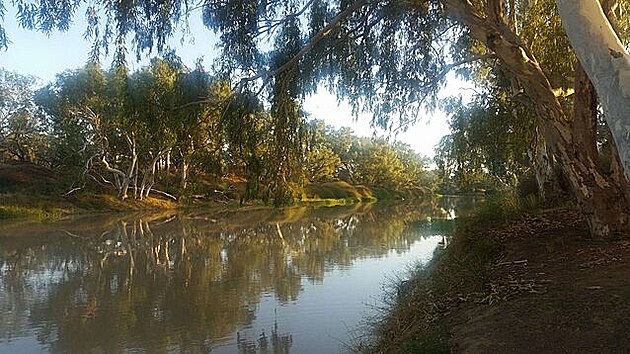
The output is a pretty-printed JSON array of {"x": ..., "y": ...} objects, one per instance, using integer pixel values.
[{"x": 297, "y": 280}]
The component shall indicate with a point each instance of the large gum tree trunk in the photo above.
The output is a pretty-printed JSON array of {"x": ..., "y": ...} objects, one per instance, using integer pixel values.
[
  {"x": 607, "y": 64},
  {"x": 585, "y": 115},
  {"x": 602, "y": 201}
]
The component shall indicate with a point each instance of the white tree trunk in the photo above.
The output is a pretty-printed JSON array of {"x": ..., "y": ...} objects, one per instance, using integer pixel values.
[
  {"x": 601, "y": 199},
  {"x": 148, "y": 178},
  {"x": 607, "y": 64}
]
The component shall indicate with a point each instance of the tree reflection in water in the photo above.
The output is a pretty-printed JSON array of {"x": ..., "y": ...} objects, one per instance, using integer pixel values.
[{"x": 185, "y": 282}]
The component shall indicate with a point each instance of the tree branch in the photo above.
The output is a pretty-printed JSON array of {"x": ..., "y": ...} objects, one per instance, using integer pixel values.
[
  {"x": 355, "y": 6},
  {"x": 448, "y": 67},
  {"x": 495, "y": 11},
  {"x": 111, "y": 169},
  {"x": 268, "y": 29}
]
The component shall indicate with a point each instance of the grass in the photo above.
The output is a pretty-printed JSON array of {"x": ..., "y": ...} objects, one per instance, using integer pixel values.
[
  {"x": 16, "y": 212},
  {"x": 337, "y": 191},
  {"x": 20, "y": 205},
  {"x": 343, "y": 193},
  {"x": 412, "y": 318}
]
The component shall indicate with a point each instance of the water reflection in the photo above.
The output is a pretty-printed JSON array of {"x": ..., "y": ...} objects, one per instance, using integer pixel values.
[{"x": 196, "y": 282}]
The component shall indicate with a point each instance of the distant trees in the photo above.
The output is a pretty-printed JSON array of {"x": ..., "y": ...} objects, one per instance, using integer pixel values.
[
  {"x": 120, "y": 128},
  {"x": 22, "y": 127},
  {"x": 338, "y": 154},
  {"x": 106, "y": 125},
  {"x": 167, "y": 122},
  {"x": 322, "y": 164}
]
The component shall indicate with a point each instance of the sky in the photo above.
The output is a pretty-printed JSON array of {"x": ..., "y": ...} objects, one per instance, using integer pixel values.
[{"x": 44, "y": 56}]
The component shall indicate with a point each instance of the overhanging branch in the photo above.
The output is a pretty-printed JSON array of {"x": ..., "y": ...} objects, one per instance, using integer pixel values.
[
  {"x": 448, "y": 67},
  {"x": 355, "y": 6},
  {"x": 266, "y": 74}
]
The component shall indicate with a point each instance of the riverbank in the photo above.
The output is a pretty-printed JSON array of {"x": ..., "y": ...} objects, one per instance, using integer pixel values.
[
  {"x": 31, "y": 191},
  {"x": 518, "y": 282}
]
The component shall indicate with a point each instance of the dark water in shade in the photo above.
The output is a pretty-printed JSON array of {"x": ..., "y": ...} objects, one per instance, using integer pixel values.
[{"x": 298, "y": 280}]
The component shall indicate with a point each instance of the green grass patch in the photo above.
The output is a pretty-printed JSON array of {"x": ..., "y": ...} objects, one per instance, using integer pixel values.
[
  {"x": 337, "y": 193},
  {"x": 328, "y": 202},
  {"x": 16, "y": 212},
  {"x": 343, "y": 193},
  {"x": 21, "y": 205}
]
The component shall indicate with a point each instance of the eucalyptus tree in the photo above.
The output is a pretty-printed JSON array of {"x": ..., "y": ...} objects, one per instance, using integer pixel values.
[
  {"x": 91, "y": 128},
  {"x": 22, "y": 124},
  {"x": 540, "y": 29},
  {"x": 490, "y": 143},
  {"x": 418, "y": 175},
  {"x": 73, "y": 131},
  {"x": 594, "y": 34},
  {"x": 200, "y": 135},
  {"x": 344, "y": 144},
  {"x": 379, "y": 164},
  {"x": 151, "y": 99},
  {"x": 333, "y": 154},
  {"x": 248, "y": 131},
  {"x": 600, "y": 194},
  {"x": 109, "y": 125},
  {"x": 385, "y": 56},
  {"x": 322, "y": 164}
]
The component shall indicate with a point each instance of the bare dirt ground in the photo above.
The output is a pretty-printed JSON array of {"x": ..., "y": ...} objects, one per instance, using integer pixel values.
[
  {"x": 554, "y": 291},
  {"x": 22, "y": 176}
]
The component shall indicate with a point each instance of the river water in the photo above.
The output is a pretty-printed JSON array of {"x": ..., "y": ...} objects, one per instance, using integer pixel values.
[{"x": 298, "y": 280}]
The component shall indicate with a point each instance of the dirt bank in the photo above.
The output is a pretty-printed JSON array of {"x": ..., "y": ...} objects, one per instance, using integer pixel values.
[
  {"x": 553, "y": 291},
  {"x": 533, "y": 283}
]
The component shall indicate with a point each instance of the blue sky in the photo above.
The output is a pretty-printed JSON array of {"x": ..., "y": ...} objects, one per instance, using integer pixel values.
[{"x": 44, "y": 56}]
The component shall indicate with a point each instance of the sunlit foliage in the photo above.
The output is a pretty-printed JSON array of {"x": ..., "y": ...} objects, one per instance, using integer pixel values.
[
  {"x": 338, "y": 154},
  {"x": 22, "y": 127}
]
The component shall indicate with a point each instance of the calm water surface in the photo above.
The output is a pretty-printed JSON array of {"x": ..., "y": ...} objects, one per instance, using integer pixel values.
[{"x": 300, "y": 280}]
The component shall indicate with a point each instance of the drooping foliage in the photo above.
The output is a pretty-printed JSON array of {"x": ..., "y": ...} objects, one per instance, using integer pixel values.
[
  {"x": 490, "y": 144},
  {"x": 383, "y": 56}
]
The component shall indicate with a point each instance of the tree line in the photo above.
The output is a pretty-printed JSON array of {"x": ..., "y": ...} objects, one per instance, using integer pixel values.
[{"x": 168, "y": 124}]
